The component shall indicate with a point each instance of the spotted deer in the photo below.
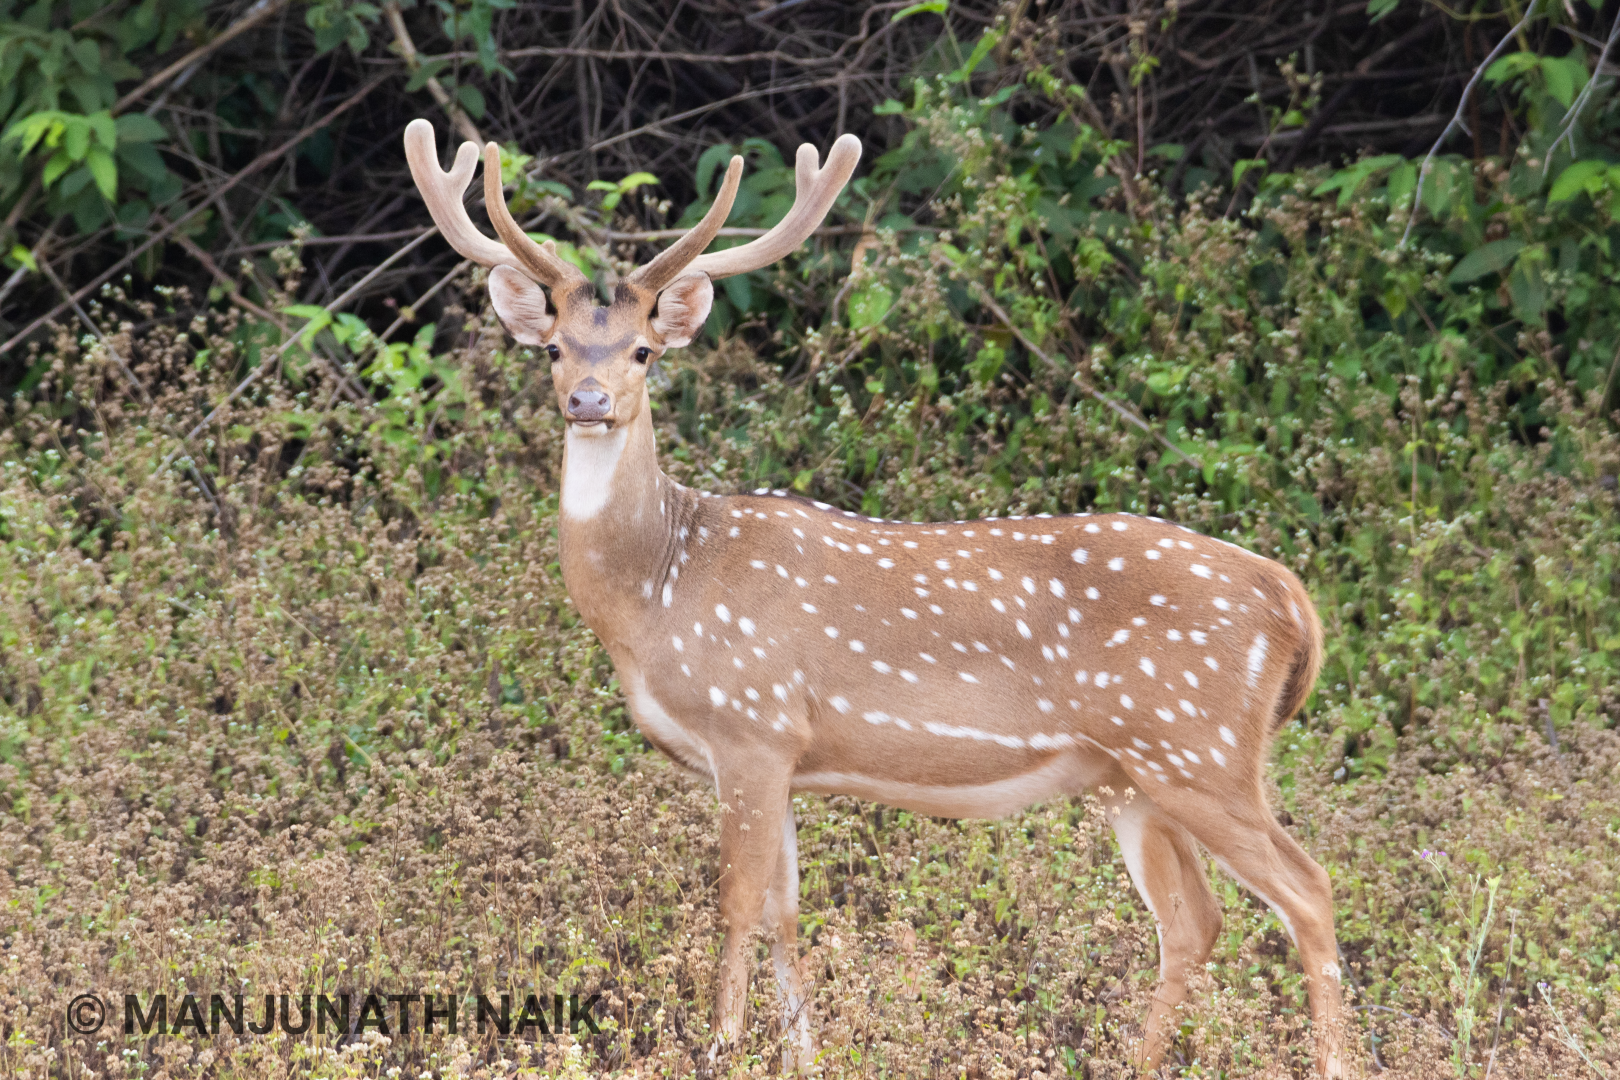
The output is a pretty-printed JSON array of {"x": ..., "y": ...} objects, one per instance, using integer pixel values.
[{"x": 966, "y": 669}]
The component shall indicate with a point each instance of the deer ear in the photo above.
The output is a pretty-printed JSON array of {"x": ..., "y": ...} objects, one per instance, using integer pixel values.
[
  {"x": 682, "y": 309},
  {"x": 521, "y": 305}
]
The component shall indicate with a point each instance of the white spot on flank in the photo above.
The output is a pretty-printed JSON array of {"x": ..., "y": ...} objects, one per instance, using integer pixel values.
[
  {"x": 966, "y": 677},
  {"x": 1199, "y": 637},
  {"x": 669, "y": 593},
  {"x": 1150, "y": 553},
  {"x": 1173, "y": 635},
  {"x": 1223, "y": 604},
  {"x": 746, "y": 626},
  {"x": 1125, "y": 700},
  {"x": 1092, "y": 593},
  {"x": 1200, "y": 569},
  {"x": 1120, "y": 637},
  {"x": 998, "y": 605},
  {"x": 1209, "y": 661},
  {"x": 676, "y": 641},
  {"x": 1227, "y": 737},
  {"x": 1257, "y": 658},
  {"x": 1091, "y": 528},
  {"x": 1220, "y": 758},
  {"x": 717, "y": 696},
  {"x": 908, "y": 613},
  {"x": 1187, "y": 707},
  {"x": 1165, "y": 714},
  {"x": 1119, "y": 526},
  {"x": 1192, "y": 680},
  {"x": 880, "y": 667},
  {"x": 1056, "y": 588},
  {"x": 886, "y": 563},
  {"x": 724, "y": 613},
  {"x": 1116, "y": 563},
  {"x": 811, "y": 608},
  {"x": 1147, "y": 667},
  {"x": 857, "y": 646},
  {"x": 832, "y": 631},
  {"x": 1023, "y": 630},
  {"x": 840, "y": 703}
]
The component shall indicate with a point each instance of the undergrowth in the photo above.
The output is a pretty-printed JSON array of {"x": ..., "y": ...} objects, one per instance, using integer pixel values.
[{"x": 300, "y": 705}]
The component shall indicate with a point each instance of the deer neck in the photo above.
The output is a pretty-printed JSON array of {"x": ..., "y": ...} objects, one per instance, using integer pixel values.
[{"x": 617, "y": 525}]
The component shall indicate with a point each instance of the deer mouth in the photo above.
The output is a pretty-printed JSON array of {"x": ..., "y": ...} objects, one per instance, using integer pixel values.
[{"x": 602, "y": 424}]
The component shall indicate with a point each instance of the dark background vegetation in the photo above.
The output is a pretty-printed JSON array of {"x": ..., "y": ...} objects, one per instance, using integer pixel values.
[
  {"x": 292, "y": 697},
  {"x": 605, "y": 90}
]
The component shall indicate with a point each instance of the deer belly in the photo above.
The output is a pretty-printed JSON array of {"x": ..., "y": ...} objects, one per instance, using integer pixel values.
[{"x": 976, "y": 792}]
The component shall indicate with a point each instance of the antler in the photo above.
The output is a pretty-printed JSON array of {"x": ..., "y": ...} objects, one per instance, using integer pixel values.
[
  {"x": 442, "y": 192},
  {"x": 815, "y": 190},
  {"x": 673, "y": 260},
  {"x": 539, "y": 261}
]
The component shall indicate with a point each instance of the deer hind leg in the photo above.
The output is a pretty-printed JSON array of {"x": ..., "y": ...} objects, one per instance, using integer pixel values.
[
  {"x": 753, "y": 805},
  {"x": 1164, "y": 865},
  {"x": 781, "y": 917},
  {"x": 1249, "y": 844}
]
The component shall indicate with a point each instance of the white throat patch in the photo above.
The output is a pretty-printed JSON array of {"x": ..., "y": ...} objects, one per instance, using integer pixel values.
[{"x": 589, "y": 461}]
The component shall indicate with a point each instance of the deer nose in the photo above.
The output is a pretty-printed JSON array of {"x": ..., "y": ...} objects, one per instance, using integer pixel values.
[{"x": 588, "y": 403}]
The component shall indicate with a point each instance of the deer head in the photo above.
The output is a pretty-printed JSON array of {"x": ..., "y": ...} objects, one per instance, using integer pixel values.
[{"x": 600, "y": 355}]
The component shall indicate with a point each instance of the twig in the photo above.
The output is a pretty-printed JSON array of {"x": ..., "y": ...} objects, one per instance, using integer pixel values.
[
  {"x": 1457, "y": 118},
  {"x": 409, "y": 311},
  {"x": 1574, "y": 113},
  {"x": 640, "y": 54},
  {"x": 407, "y": 49},
  {"x": 1503, "y": 990},
  {"x": 251, "y": 18},
  {"x": 236, "y": 178},
  {"x": 1569, "y": 1039},
  {"x": 346, "y": 238}
]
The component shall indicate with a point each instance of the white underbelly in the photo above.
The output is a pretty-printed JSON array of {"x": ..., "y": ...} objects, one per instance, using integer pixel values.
[{"x": 1065, "y": 774}]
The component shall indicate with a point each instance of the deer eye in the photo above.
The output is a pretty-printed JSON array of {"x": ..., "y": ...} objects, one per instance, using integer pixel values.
[
  {"x": 554, "y": 352},
  {"x": 642, "y": 354}
]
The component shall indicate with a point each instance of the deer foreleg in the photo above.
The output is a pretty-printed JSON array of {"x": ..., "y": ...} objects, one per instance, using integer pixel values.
[{"x": 754, "y": 813}]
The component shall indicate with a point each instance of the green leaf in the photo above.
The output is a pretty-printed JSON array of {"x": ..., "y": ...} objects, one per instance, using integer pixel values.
[
  {"x": 471, "y": 99},
  {"x": 1377, "y": 9},
  {"x": 422, "y": 74},
  {"x": 1243, "y": 165},
  {"x": 24, "y": 256},
  {"x": 139, "y": 128},
  {"x": 931, "y": 7},
  {"x": 869, "y": 304},
  {"x": 1511, "y": 66},
  {"x": 989, "y": 41},
  {"x": 105, "y": 171},
  {"x": 1487, "y": 259},
  {"x": 104, "y": 127},
  {"x": 637, "y": 179},
  {"x": 319, "y": 319},
  {"x": 1582, "y": 176},
  {"x": 58, "y": 164},
  {"x": 1565, "y": 76},
  {"x": 76, "y": 138}
]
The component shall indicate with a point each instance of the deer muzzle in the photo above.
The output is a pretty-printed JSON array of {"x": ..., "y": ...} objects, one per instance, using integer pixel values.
[{"x": 588, "y": 403}]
